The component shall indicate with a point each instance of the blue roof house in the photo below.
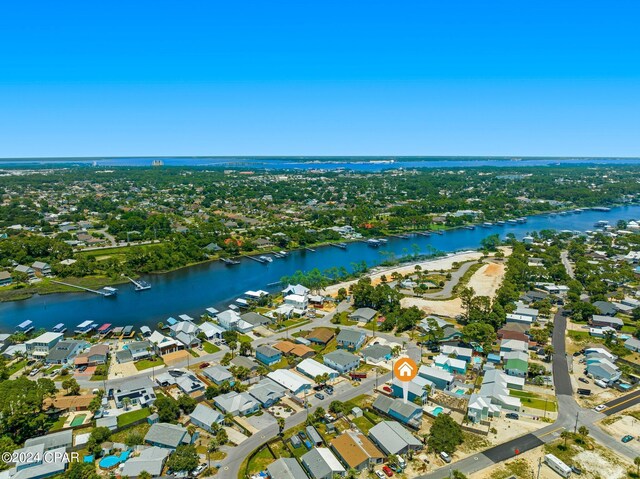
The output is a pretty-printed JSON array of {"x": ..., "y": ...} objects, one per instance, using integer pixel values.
[
  {"x": 268, "y": 355},
  {"x": 439, "y": 377}
]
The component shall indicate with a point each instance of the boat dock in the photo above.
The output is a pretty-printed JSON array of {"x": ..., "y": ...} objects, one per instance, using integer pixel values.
[
  {"x": 140, "y": 285},
  {"x": 339, "y": 245},
  {"x": 424, "y": 233},
  {"x": 107, "y": 291},
  {"x": 255, "y": 259},
  {"x": 309, "y": 249},
  {"x": 229, "y": 262}
]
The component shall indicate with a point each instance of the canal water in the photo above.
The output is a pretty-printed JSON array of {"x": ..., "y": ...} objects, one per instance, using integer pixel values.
[{"x": 192, "y": 290}]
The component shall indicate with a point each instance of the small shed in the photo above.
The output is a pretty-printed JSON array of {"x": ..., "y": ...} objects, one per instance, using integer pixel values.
[{"x": 356, "y": 411}]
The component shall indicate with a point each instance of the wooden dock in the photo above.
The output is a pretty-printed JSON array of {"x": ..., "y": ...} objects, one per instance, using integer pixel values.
[
  {"x": 255, "y": 259},
  {"x": 100, "y": 292}
]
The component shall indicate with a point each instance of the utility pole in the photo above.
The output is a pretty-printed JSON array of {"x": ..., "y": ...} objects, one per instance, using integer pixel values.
[
  {"x": 539, "y": 467},
  {"x": 575, "y": 428}
]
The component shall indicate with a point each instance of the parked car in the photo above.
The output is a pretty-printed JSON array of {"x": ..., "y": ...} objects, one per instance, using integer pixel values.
[
  {"x": 577, "y": 353},
  {"x": 599, "y": 407},
  {"x": 199, "y": 470},
  {"x": 445, "y": 457},
  {"x": 512, "y": 415},
  {"x": 34, "y": 372},
  {"x": 319, "y": 396},
  {"x": 576, "y": 470},
  {"x": 627, "y": 438},
  {"x": 380, "y": 474},
  {"x": 203, "y": 365},
  {"x": 583, "y": 380},
  {"x": 387, "y": 471}
]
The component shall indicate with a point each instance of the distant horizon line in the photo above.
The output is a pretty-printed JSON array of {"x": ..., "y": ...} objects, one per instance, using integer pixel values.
[{"x": 311, "y": 157}]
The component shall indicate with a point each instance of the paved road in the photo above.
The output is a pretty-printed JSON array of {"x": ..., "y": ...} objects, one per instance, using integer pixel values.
[
  {"x": 447, "y": 289},
  {"x": 564, "y": 256},
  {"x": 621, "y": 403}
]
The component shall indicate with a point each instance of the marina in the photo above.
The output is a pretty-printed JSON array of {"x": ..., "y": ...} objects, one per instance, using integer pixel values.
[{"x": 191, "y": 290}]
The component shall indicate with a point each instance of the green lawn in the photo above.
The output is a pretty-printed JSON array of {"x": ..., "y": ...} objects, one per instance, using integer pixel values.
[
  {"x": 149, "y": 363},
  {"x": 580, "y": 335},
  {"x": 260, "y": 461},
  {"x": 58, "y": 424},
  {"x": 14, "y": 368},
  {"x": 132, "y": 416},
  {"x": 243, "y": 338},
  {"x": 529, "y": 400},
  {"x": 363, "y": 424},
  {"x": 140, "y": 429},
  {"x": 210, "y": 348}
]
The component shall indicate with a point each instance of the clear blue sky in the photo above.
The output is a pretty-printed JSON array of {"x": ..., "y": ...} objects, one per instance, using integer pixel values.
[{"x": 182, "y": 77}]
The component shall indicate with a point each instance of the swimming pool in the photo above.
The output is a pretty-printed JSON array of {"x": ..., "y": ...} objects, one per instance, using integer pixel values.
[
  {"x": 459, "y": 392},
  {"x": 437, "y": 410},
  {"x": 108, "y": 462},
  {"x": 79, "y": 419}
]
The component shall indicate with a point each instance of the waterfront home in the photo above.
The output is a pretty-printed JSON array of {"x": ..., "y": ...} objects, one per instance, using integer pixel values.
[
  {"x": 95, "y": 355},
  {"x": 5, "y": 278},
  {"x": 218, "y": 375},
  {"x": 268, "y": 355},
  {"x": 451, "y": 365},
  {"x": 39, "y": 347},
  {"x": 312, "y": 368},
  {"x": 606, "y": 321},
  {"x": 363, "y": 315},
  {"x": 320, "y": 463},
  {"x": 65, "y": 351},
  {"x": 289, "y": 380},
  {"x": 458, "y": 352},
  {"x": 296, "y": 289},
  {"x": 286, "y": 468},
  {"x": 356, "y": 451},
  {"x": 228, "y": 319},
  {"x": 28, "y": 270},
  {"x": 203, "y": 416},
  {"x": 377, "y": 353},
  {"x": 267, "y": 392},
  {"x": 15, "y": 350},
  {"x": 516, "y": 363},
  {"x": 151, "y": 459},
  {"x": 298, "y": 302},
  {"x": 350, "y": 339},
  {"x": 211, "y": 330},
  {"x": 298, "y": 350},
  {"x": 393, "y": 439},
  {"x": 237, "y": 404},
  {"x": 632, "y": 344},
  {"x": 163, "y": 344},
  {"x": 41, "y": 268},
  {"x": 417, "y": 388},
  {"x": 440, "y": 378},
  {"x": 185, "y": 332},
  {"x": 168, "y": 436},
  {"x": 341, "y": 361},
  {"x": 321, "y": 336},
  {"x": 407, "y": 413}
]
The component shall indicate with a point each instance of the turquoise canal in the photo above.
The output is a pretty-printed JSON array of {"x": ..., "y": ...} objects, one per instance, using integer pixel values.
[{"x": 192, "y": 290}]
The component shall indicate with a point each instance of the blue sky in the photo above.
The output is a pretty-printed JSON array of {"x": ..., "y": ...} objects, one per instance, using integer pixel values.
[{"x": 109, "y": 78}]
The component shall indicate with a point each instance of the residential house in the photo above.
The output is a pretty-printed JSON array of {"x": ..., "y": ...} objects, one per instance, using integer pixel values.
[
  {"x": 321, "y": 335},
  {"x": 152, "y": 460},
  {"x": 41, "y": 268},
  {"x": 28, "y": 270},
  {"x": 203, "y": 417},
  {"x": 320, "y": 463},
  {"x": 187, "y": 333},
  {"x": 185, "y": 380},
  {"x": 363, "y": 315},
  {"x": 32, "y": 463},
  {"x": 53, "y": 441},
  {"x": 211, "y": 330},
  {"x": 137, "y": 391},
  {"x": 417, "y": 388},
  {"x": 228, "y": 319},
  {"x": 286, "y": 468},
  {"x": 393, "y": 439},
  {"x": 605, "y": 308},
  {"x": 245, "y": 362},
  {"x": 342, "y": 361},
  {"x": 164, "y": 344},
  {"x": 458, "y": 352},
  {"x": 40, "y": 347},
  {"x": 298, "y": 302},
  {"x": 168, "y": 436},
  {"x": 520, "y": 319},
  {"x": 441, "y": 379},
  {"x": 603, "y": 369},
  {"x": 494, "y": 396},
  {"x": 350, "y": 339},
  {"x": 377, "y": 353},
  {"x": 255, "y": 319},
  {"x": 296, "y": 289},
  {"x": 95, "y": 355},
  {"x": 406, "y": 413},
  {"x": 268, "y": 355},
  {"x": 289, "y": 380},
  {"x": 298, "y": 350},
  {"x": 267, "y": 392},
  {"x": 451, "y": 365},
  {"x": 5, "y": 278},
  {"x": 65, "y": 351},
  {"x": 312, "y": 368},
  {"x": 632, "y": 344},
  {"x": 516, "y": 363},
  {"x": 356, "y": 451},
  {"x": 66, "y": 404},
  {"x": 508, "y": 345},
  {"x": 218, "y": 375},
  {"x": 611, "y": 322},
  {"x": 523, "y": 310},
  {"x": 238, "y": 404}
]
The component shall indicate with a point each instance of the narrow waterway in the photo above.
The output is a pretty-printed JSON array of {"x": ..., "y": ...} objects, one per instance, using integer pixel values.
[{"x": 192, "y": 290}]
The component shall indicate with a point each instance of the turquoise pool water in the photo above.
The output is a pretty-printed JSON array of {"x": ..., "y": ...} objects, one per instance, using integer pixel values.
[
  {"x": 108, "y": 462},
  {"x": 459, "y": 392},
  {"x": 437, "y": 411}
]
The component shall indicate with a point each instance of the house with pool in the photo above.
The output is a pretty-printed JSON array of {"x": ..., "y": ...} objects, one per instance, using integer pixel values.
[{"x": 451, "y": 365}]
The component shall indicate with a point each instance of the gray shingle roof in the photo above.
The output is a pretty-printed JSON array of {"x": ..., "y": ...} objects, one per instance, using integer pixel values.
[
  {"x": 165, "y": 434},
  {"x": 286, "y": 468},
  {"x": 392, "y": 437}
]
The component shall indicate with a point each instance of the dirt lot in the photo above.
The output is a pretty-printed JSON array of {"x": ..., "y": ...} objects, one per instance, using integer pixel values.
[
  {"x": 487, "y": 279},
  {"x": 450, "y": 308},
  {"x": 619, "y": 425}
]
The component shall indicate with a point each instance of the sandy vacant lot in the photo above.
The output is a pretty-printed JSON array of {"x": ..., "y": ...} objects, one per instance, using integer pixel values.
[
  {"x": 623, "y": 425},
  {"x": 487, "y": 279},
  {"x": 445, "y": 263},
  {"x": 485, "y": 282}
]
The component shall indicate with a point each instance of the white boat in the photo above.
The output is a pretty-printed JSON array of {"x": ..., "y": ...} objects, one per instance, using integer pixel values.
[{"x": 268, "y": 259}]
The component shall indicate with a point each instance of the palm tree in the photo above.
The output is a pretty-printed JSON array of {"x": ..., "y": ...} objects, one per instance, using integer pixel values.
[
  {"x": 281, "y": 424},
  {"x": 191, "y": 429},
  {"x": 636, "y": 461},
  {"x": 228, "y": 419},
  {"x": 565, "y": 435},
  {"x": 583, "y": 431},
  {"x": 126, "y": 402},
  {"x": 262, "y": 371},
  {"x": 211, "y": 447}
]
